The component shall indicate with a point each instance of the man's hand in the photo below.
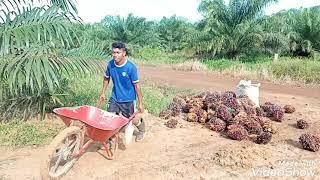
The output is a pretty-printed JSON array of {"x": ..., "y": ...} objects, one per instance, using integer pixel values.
[
  {"x": 141, "y": 108},
  {"x": 102, "y": 98}
]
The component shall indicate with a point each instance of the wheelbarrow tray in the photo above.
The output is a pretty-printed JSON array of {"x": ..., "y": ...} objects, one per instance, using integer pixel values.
[{"x": 101, "y": 124}]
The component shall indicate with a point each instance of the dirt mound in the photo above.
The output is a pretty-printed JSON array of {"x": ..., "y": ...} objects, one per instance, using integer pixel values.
[{"x": 243, "y": 157}]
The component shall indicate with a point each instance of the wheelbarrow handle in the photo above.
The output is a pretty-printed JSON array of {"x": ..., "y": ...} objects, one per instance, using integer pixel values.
[
  {"x": 133, "y": 115},
  {"x": 130, "y": 118}
]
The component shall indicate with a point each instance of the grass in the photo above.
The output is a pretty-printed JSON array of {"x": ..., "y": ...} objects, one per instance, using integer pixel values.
[
  {"x": 190, "y": 66},
  {"x": 22, "y": 133},
  {"x": 220, "y": 65},
  {"x": 307, "y": 71},
  {"x": 225, "y": 64},
  {"x": 85, "y": 91},
  {"x": 157, "y": 98},
  {"x": 285, "y": 69},
  {"x": 153, "y": 56}
]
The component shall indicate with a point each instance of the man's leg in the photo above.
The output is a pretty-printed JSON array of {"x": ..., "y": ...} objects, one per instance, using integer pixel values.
[
  {"x": 127, "y": 110},
  {"x": 139, "y": 123},
  {"x": 113, "y": 107},
  {"x": 142, "y": 130}
]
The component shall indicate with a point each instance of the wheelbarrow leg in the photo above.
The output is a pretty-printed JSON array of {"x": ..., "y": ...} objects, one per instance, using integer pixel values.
[
  {"x": 84, "y": 148},
  {"x": 110, "y": 147}
]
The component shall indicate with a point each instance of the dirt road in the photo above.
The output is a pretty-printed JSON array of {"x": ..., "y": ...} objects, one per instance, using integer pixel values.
[
  {"x": 192, "y": 151},
  {"x": 214, "y": 81}
]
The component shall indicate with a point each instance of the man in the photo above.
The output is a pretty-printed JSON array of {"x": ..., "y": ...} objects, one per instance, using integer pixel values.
[{"x": 126, "y": 87}]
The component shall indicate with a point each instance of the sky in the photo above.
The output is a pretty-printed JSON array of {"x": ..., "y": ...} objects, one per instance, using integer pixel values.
[{"x": 95, "y": 10}]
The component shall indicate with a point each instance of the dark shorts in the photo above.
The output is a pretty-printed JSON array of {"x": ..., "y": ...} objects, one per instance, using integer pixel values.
[{"x": 124, "y": 108}]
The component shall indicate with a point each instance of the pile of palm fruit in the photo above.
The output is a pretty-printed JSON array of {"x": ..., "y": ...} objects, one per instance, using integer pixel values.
[{"x": 236, "y": 117}]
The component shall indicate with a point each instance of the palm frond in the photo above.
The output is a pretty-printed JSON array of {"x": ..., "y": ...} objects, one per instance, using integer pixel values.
[
  {"x": 64, "y": 5},
  {"x": 276, "y": 43},
  {"x": 34, "y": 78},
  {"x": 40, "y": 67},
  {"x": 35, "y": 25}
]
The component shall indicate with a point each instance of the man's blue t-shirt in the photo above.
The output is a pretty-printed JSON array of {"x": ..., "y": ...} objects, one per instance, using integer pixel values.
[{"x": 123, "y": 77}]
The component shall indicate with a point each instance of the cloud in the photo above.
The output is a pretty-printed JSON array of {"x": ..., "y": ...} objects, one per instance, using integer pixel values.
[{"x": 96, "y": 10}]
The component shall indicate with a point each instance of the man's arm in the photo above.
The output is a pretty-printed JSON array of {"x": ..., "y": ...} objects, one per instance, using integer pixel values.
[
  {"x": 139, "y": 95},
  {"x": 103, "y": 91}
]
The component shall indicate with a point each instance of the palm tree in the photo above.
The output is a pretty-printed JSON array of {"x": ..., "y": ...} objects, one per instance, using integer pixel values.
[
  {"x": 97, "y": 34},
  {"x": 34, "y": 37},
  {"x": 172, "y": 31},
  {"x": 294, "y": 31},
  {"x": 231, "y": 30},
  {"x": 135, "y": 31},
  {"x": 306, "y": 26},
  {"x": 276, "y": 28}
]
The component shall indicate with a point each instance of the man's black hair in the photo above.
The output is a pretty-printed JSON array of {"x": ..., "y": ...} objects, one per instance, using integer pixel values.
[{"x": 119, "y": 45}]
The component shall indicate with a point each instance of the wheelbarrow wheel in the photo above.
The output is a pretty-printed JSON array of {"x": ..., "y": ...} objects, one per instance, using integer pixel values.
[{"x": 59, "y": 157}]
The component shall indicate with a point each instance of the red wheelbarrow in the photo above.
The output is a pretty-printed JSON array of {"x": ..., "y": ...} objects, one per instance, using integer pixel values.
[{"x": 86, "y": 125}]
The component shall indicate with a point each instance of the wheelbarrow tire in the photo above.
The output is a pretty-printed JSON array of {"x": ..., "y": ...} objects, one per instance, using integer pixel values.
[{"x": 51, "y": 153}]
